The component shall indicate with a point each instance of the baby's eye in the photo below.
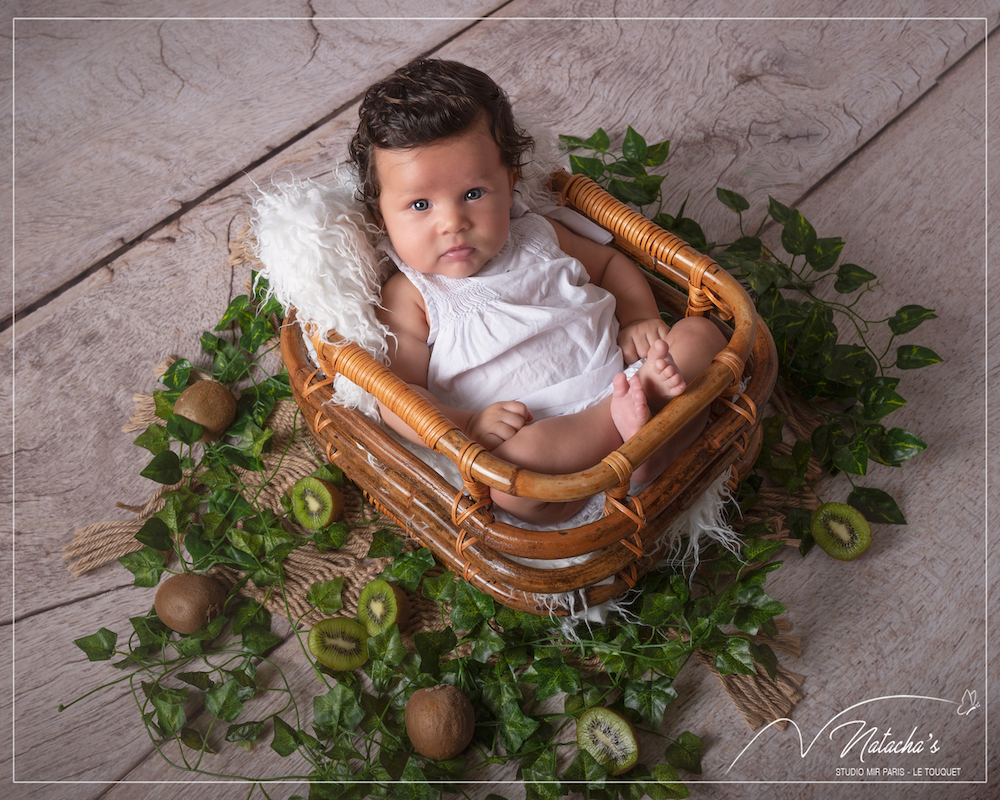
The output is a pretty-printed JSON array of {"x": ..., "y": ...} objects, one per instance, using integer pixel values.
[
  {"x": 420, "y": 205},
  {"x": 473, "y": 194}
]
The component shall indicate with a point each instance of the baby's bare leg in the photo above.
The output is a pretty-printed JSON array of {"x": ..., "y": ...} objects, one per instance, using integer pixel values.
[
  {"x": 670, "y": 365},
  {"x": 557, "y": 445}
]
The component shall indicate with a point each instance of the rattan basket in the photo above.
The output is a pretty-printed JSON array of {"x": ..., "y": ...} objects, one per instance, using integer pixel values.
[{"x": 456, "y": 522}]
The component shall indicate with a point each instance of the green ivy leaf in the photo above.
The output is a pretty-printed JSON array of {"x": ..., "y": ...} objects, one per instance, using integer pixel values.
[
  {"x": 183, "y": 429},
  {"x": 755, "y": 609},
  {"x": 591, "y": 167},
  {"x": 98, "y": 646},
  {"x": 407, "y": 570},
  {"x": 193, "y": 740},
  {"x": 155, "y": 438},
  {"x": 146, "y": 565},
  {"x": 326, "y": 596},
  {"x": 685, "y": 753},
  {"x": 657, "y": 153},
  {"x": 385, "y": 544},
  {"x": 735, "y": 658},
  {"x": 876, "y": 505},
  {"x": 169, "y": 715},
  {"x": 900, "y": 445},
  {"x": 156, "y": 534},
  {"x": 910, "y": 317},
  {"x": 222, "y": 701},
  {"x": 431, "y": 645},
  {"x": 165, "y": 468},
  {"x": 631, "y": 192},
  {"x": 257, "y": 640},
  {"x": 553, "y": 676},
  {"x": 666, "y": 785},
  {"x": 332, "y": 537},
  {"x": 634, "y": 147},
  {"x": 822, "y": 254},
  {"x": 911, "y": 356},
  {"x": 780, "y": 213},
  {"x": 247, "y": 732},
  {"x": 285, "y": 742},
  {"x": 732, "y": 200},
  {"x": 650, "y": 698},
  {"x": 413, "y": 784},
  {"x": 851, "y": 277},
  {"x": 852, "y": 458},
  {"x": 336, "y": 713},
  {"x": 599, "y": 141},
  {"x": 470, "y": 606},
  {"x": 440, "y": 588},
  {"x": 879, "y": 401}
]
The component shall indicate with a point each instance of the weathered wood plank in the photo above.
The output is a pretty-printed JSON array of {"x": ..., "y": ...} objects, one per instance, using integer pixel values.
[
  {"x": 120, "y": 123},
  {"x": 908, "y": 618},
  {"x": 130, "y": 291}
]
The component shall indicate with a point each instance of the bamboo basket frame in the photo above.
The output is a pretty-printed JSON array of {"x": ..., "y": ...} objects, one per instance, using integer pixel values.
[{"x": 457, "y": 523}]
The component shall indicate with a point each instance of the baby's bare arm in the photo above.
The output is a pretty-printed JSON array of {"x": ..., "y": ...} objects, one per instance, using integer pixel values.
[
  {"x": 405, "y": 314},
  {"x": 635, "y": 306}
]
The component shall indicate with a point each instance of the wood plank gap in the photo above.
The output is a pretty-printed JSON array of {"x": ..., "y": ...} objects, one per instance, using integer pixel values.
[
  {"x": 187, "y": 206},
  {"x": 890, "y": 124}
]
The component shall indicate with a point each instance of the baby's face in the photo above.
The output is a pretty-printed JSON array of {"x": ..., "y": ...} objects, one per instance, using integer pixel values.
[{"x": 446, "y": 205}]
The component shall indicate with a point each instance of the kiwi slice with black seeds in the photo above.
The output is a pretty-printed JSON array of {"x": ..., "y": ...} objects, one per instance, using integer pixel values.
[
  {"x": 609, "y": 738},
  {"x": 339, "y": 643},
  {"x": 840, "y": 530},
  {"x": 380, "y": 605},
  {"x": 316, "y": 503}
]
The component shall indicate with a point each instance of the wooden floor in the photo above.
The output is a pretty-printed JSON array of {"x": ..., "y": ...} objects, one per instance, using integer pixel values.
[{"x": 138, "y": 140}]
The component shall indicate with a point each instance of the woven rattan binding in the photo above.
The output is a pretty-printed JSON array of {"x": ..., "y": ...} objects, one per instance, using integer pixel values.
[{"x": 456, "y": 522}]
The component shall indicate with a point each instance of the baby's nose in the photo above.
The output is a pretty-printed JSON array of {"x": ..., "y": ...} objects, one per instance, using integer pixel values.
[{"x": 454, "y": 218}]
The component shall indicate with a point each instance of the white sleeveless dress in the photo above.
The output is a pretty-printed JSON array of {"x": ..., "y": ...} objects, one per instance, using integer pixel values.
[{"x": 529, "y": 326}]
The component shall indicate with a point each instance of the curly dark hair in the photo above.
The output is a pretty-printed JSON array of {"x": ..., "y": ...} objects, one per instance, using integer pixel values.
[{"x": 422, "y": 102}]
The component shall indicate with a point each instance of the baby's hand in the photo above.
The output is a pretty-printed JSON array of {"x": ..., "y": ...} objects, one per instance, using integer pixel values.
[
  {"x": 635, "y": 339},
  {"x": 497, "y": 422}
]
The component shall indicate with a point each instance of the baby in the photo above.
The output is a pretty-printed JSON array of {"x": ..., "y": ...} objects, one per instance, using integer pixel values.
[{"x": 516, "y": 328}]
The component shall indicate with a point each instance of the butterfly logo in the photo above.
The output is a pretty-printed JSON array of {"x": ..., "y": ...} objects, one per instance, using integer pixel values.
[{"x": 968, "y": 704}]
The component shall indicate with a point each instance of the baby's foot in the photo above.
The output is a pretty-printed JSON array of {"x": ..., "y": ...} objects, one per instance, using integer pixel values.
[
  {"x": 629, "y": 410},
  {"x": 661, "y": 380}
]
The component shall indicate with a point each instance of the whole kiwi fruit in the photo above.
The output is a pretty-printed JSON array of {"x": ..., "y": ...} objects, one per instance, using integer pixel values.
[
  {"x": 316, "y": 503},
  {"x": 609, "y": 738},
  {"x": 380, "y": 605},
  {"x": 210, "y": 404},
  {"x": 339, "y": 643},
  {"x": 188, "y": 601},
  {"x": 840, "y": 530},
  {"x": 440, "y": 721}
]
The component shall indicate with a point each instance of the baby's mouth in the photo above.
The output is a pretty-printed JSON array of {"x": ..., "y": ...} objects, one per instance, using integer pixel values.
[{"x": 458, "y": 252}]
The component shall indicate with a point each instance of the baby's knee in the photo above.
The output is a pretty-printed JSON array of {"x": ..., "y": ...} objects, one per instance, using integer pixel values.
[{"x": 693, "y": 343}]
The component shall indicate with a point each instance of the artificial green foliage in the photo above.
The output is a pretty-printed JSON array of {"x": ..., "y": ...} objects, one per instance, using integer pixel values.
[
  {"x": 528, "y": 683},
  {"x": 803, "y": 292}
]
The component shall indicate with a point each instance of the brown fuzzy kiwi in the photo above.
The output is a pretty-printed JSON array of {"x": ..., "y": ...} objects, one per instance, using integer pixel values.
[
  {"x": 440, "y": 721},
  {"x": 609, "y": 738},
  {"x": 210, "y": 404},
  {"x": 380, "y": 605},
  {"x": 189, "y": 601}
]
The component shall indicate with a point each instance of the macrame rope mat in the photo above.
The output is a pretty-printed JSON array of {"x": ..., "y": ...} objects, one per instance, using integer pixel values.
[{"x": 293, "y": 456}]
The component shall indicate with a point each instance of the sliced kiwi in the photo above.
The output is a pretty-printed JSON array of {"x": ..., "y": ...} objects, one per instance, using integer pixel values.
[
  {"x": 609, "y": 738},
  {"x": 840, "y": 530},
  {"x": 316, "y": 503},
  {"x": 380, "y": 605},
  {"x": 339, "y": 643}
]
